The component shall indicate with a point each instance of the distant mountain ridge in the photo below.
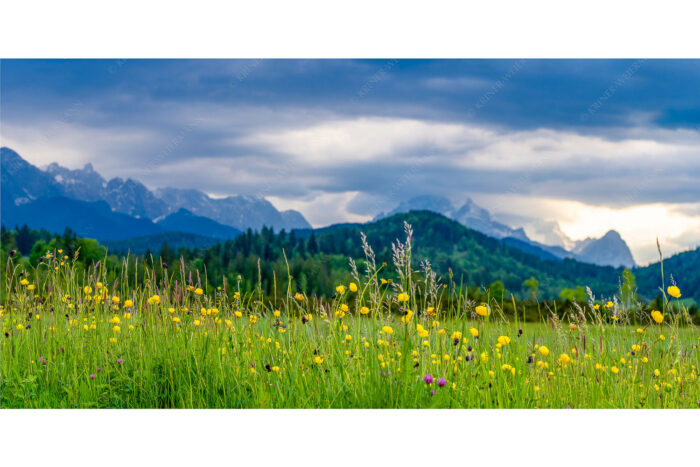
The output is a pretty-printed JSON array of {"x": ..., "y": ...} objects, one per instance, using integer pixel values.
[
  {"x": 127, "y": 196},
  {"x": 470, "y": 215},
  {"x": 239, "y": 211},
  {"x": 184, "y": 221},
  {"x": 89, "y": 219},
  {"x": 609, "y": 250},
  {"x": 24, "y": 183}
]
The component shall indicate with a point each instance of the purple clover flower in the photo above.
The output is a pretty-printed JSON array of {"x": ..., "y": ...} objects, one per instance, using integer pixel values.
[
  {"x": 441, "y": 382},
  {"x": 428, "y": 379}
]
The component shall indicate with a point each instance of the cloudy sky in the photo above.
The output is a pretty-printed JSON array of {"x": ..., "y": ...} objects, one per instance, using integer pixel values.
[{"x": 591, "y": 145}]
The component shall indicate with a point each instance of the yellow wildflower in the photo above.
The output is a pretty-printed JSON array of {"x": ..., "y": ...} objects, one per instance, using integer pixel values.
[
  {"x": 504, "y": 340},
  {"x": 674, "y": 291}
]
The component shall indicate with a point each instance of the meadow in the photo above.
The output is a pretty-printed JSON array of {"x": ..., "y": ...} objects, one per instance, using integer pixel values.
[{"x": 394, "y": 336}]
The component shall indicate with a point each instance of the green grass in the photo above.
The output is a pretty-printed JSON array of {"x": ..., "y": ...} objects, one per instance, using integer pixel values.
[{"x": 68, "y": 344}]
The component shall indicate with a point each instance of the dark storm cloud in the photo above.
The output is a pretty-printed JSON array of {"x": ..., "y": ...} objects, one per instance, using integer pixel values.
[{"x": 188, "y": 123}]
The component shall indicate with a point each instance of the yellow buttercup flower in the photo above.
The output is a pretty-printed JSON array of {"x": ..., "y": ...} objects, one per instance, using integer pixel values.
[
  {"x": 352, "y": 287},
  {"x": 402, "y": 297},
  {"x": 364, "y": 310},
  {"x": 657, "y": 316},
  {"x": 481, "y": 310},
  {"x": 674, "y": 291},
  {"x": 474, "y": 332},
  {"x": 387, "y": 330},
  {"x": 198, "y": 291},
  {"x": 544, "y": 350},
  {"x": 128, "y": 303},
  {"x": 340, "y": 289},
  {"x": 564, "y": 358},
  {"x": 504, "y": 340}
]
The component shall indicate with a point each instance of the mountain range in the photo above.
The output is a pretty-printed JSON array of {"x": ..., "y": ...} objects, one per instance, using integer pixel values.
[
  {"x": 83, "y": 200},
  {"x": 609, "y": 250},
  {"x": 118, "y": 209}
]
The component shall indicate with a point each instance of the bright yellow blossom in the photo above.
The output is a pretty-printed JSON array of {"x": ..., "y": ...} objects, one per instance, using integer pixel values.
[{"x": 674, "y": 291}]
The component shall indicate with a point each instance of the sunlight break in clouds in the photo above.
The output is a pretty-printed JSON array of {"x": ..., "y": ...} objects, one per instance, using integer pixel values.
[{"x": 676, "y": 226}]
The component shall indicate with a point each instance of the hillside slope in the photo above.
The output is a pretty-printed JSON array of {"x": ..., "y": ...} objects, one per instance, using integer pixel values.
[{"x": 471, "y": 255}]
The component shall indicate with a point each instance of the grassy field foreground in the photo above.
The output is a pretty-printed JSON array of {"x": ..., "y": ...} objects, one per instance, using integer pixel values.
[{"x": 72, "y": 340}]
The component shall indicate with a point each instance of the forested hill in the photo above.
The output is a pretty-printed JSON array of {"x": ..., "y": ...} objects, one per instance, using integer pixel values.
[
  {"x": 318, "y": 258},
  {"x": 473, "y": 257}
]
